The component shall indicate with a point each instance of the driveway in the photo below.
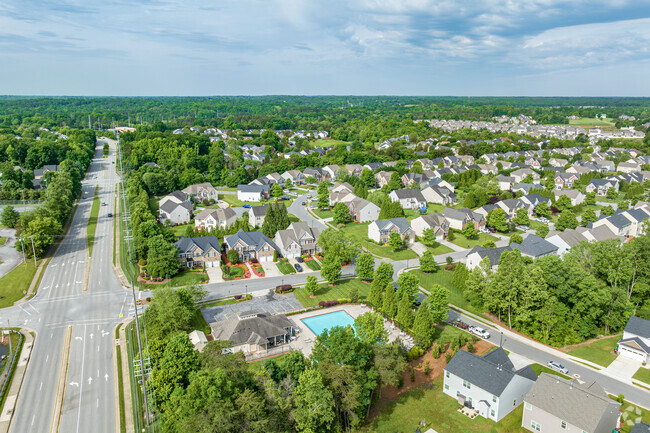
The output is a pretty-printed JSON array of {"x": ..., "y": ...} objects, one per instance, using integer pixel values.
[
  {"x": 418, "y": 248},
  {"x": 215, "y": 274},
  {"x": 271, "y": 270},
  {"x": 271, "y": 304},
  {"x": 9, "y": 256},
  {"x": 622, "y": 368}
]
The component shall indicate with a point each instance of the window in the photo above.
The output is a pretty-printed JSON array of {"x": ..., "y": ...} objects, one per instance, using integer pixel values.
[
  {"x": 447, "y": 387},
  {"x": 494, "y": 398},
  {"x": 447, "y": 374},
  {"x": 466, "y": 384},
  {"x": 563, "y": 425},
  {"x": 492, "y": 413},
  {"x": 528, "y": 406},
  {"x": 514, "y": 402},
  {"x": 535, "y": 426},
  {"x": 457, "y": 394}
]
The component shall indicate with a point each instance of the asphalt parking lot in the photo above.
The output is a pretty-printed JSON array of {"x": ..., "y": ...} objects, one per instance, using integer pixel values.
[{"x": 272, "y": 304}]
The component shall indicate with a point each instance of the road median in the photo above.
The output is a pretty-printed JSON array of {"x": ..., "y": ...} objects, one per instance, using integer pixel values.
[{"x": 62, "y": 382}]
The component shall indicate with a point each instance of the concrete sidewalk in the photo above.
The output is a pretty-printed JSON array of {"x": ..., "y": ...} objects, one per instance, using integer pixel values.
[{"x": 21, "y": 368}]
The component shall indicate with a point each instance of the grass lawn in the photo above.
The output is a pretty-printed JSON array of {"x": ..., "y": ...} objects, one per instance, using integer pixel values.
[
  {"x": 463, "y": 242},
  {"x": 237, "y": 272},
  {"x": 329, "y": 142},
  {"x": 443, "y": 278},
  {"x": 360, "y": 231},
  {"x": 257, "y": 365},
  {"x": 313, "y": 265},
  {"x": 92, "y": 223},
  {"x": 233, "y": 200},
  {"x": 323, "y": 213},
  {"x": 198, "y": 321},
  {"x": 440, "y": 249},
  {"x": 439, "y": 412},
  {"x": 642, "y": 374},
  {"x": 293, "y": 218},
  {"x": 431, "y": 208},
  {"x": 228, "y": 301},
  {"x": 153, "y": 205},
  {"x": 2, "y": 240},
  {"x": 607, "y": 124},
  {"x": 179, "y": 280},
  {"x": 179, "y": 230},
  {"x": 630, "y": 415},
  {"x": 539, "y": 369},
  {"x": 600, "y": 351},
  {"x": 285, "y": 268},
  {"x": 327, "y": 293},
  {"x": 15, "y": 283}
]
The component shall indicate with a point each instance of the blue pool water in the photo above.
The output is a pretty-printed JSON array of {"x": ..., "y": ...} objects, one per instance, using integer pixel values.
[{"x": 319, "y": 323}]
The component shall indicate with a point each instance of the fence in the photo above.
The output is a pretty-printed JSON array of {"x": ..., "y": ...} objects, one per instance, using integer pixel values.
[
  {"x": 19, "y": 202},
  {"x": 10, "y": 366}
]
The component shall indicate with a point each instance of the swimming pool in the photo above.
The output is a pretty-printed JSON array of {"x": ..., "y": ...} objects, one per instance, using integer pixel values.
[{"x": 319, "y": 323}]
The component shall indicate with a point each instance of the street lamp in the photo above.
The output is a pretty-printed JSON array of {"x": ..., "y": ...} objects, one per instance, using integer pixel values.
[
  {"x": 33, "y": 250},
  {"x": 23, "y": 245}
]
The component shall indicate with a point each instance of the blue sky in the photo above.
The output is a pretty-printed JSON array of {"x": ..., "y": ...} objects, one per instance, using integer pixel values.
[{"x": 315, "y": 47}]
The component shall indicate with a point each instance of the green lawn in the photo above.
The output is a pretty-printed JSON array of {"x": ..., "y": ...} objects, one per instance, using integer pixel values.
[
  {"x": 463, "y": 242},
  {"x": 181, "y": 279},
  {"x": 587, "y": 123},
  {"x": 313, "y": 265},
  {"x": 228, "y": 301},
  {"x": 327, "y": 293},
  {"x": 600, "y": 351},
  {"x": 233, "y": 200},
  {"x": 180, "y": 229},
  {"x": 2, "y": 240},
  {"x": 443, "y": 278},
  {"x": 431, "y": 208},
  {"x": 198, "y": 321},
  {"x": 439, "y": 412},
  {"x": 285, "y": 268},
  {"x": 323, "y": 213},
  {"x": 257, "y": 365},
  {"x": 438, "y": 249},
  {"x": 15, "y": 283},
  {"x": 92, "y": 223},
  {"x": 642, "y": 374},
  {"x": 293, "y": 218},
  {"x": 360, "y": 231},
  {"x": 237, "y": 272},
  {"x": 539, "y": 369}
]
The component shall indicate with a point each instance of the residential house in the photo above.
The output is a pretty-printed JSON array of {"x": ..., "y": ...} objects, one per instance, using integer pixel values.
[
  {"x": 382, "y": 178},
  {"x": 439, "y": 194},
  {"x": 628, "y": 166},
  {"x": 487, "y": 169},
  {"x": 177, "y": 197},
  {"x": 555, "y": 404},
  {"x": 211, "y": 219},
  {"x": 505, "y": 182},
  {"x": 436, "y": 221},
  {"x": 637, "y": 216},
  {"x": 534, "y": 162},
  {"x": 565, "y": 240},
  {"x": 297, "y": 240},
  {"x": 522, "y": 173},
  {"x": 342, "y": 187},
  {"x": 251, "y": 332},
  {"x": 256, "y": 215},
  {"x": 316, "y": 173},
  {"x": 198, "y": 340},
  {"x": 276, "y": 178},
  {"x": 510, "y": 206},
  {"x": 599, "y": 233},
  {"x": 409, "y": 198},
  {"x": 362, "y": 210},
  {"x": 252, "y": 192},
  {"x": 490, "y": 384},
  {"x": 576, "y": 196},
  {"x": 295, "y": 176},
  {"x": 441, "y": 183},
  {"x": 476, "y": 255},
  {"x": 175, "y": 213},
  {"x": 202, "y": 191},
  {"x": 198, "y": 252},
  {"x": 341, "y": 196},
  {"x": 601, "y": 186},
  {"x": 459, "y": 218},
  {"x": 604, "y": 165},
  {"x": 526, "y": 187},
  {"x": 380, "y": 230},
  {"x": 40, "y": 172},
  {"x": 331, "y": 172},
  {"x": 635, "y": 343},
  {"x": 372, "y": 166},
  {"x": 558, "y": 162},
  {"x": 579, "y": 170},
  {"x": 565, "y": 180},
  {"x": 251, "y": 245},
  {"x": 410, "y": 179},
  {"x": 535, "y": 199},
  {"x": 535, "y": 247},
  {"x": 626, "y": 223},
  {"x": 354, "y": 169}
]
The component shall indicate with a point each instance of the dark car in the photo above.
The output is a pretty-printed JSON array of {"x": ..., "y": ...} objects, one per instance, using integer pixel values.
[
  {"x": 299, "y": 259},
  {"x": 110, "y": 214},
  {"x": 492, "y": 229},
  {"x": 298, "y": 267},
  {"x": 286, "y": 197},
  {"x": 304, "y": 203}
]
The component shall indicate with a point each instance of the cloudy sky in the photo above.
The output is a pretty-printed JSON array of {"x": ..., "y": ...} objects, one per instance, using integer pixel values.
[{"x": 396, "y": 47}]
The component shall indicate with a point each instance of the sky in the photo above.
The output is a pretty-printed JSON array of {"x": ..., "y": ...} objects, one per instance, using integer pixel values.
[{"x": 315, "y": 47}]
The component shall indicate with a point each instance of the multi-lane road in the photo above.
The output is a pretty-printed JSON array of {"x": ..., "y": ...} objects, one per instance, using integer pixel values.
[{"x": 83, "y": 293}]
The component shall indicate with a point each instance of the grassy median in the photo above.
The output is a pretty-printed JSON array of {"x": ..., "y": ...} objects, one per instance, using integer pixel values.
[{"x": 92, "y": 222}]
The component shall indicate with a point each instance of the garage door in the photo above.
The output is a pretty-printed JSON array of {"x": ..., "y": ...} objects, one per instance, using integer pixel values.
[
  {"x": 629, "y": 353},
  {"x": 266, "y": 259}
]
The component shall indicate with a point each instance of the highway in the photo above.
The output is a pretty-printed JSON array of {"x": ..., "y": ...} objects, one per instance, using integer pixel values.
[{"x": 61, "y": 301}]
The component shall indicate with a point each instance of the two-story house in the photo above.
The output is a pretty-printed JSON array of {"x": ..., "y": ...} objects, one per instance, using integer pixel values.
[
  {"x": 202, "y": 191},
  {"x": 439, "y": 194},
  {"x": 409, "y": 198},
  {"x": 459, "y": 218},
  {"x": 362, "y": 210},
  {"x": 251, "y": 245},
  {"x": 256, "y": 215},
  {"x": 601, "y": 186},
  {"x": 297, "y": 239},
  {"x": 211, "y": 219},
  {"x": 199, "y": 251},
  {"x": 380, "y": 230},
  {"x": 565, "y": 180},
  {"x": 435, "y": 221},
  {"x": 635, "y": 343},
  {"x": 252, "y": 192}
]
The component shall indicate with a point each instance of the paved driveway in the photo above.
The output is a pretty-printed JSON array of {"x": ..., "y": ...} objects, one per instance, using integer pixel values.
[
  {"x": 622, "y": 368},
  {"x": 272, "y": 304}
]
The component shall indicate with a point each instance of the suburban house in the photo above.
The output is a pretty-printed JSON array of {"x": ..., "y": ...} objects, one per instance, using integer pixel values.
[
  {"x": 565, "y": 180},
  {"x": 202, "y": 191},
  {"x": 380, "y": 230},
  {"x": 505, "y": 182},
  {"x": 316, "y": 173},
  {"x": 362, "y": 210},
  {"x": 256, "y": 215},
  {"x": 198, "y": 340},
  {"x": 555, "y": 404},
  {"x": 251, "y": 245},
  {"x": 409, "y": 198},
  {"x": 252, "y": 332},
  {"x": 196, "y": 252},
  {"x": 490, "y": 384},
  {"x": 574, "y": 195},
  {"x": 510, "y": 206},
  {"x": 535, "y": 247},
  {"x": 558, "y": 162},
  {"x": 297, "y": 239},
  {"x": 176, "y": 197},
  {"x": 213, "y": 218},
  {"x": 354, "y": 169},
  {"x": 600, "y": 186},
  {"x": 635, "y": 343},
  {"x": 252, "y": 192},
  {"x": 331, "y": 172},
  {"x": 640, "y": 427},
  {"x": 40, "y": 172},
  {"x": 435, "y": 221},
  {"x": 382, "y": 178},
  {"x": 459, "y": 218},
  {"x": 439, "y": 194},
  {"x": 341, "y": 196},
  {"x": 534, "y": 199},
  {"x": 522, "y": 173},
  {"x": 604, "y": 165},
  {"x": 342, "y": 187},
  {"x": 478, "y": 253},
  {"x": 628, "y": 167},
  {"x": 565, "y": 240},
  {"x": 172, "y": 212},
  {"x": 295, "y": 176},
  {"x": 410, "y": 179}
]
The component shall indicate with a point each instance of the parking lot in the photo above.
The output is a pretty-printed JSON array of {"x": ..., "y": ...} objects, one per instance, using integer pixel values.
[{"x": 272, "y": 304}]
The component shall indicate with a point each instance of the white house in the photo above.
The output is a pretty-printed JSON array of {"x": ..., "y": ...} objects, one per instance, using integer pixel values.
[
  {"x": 408, "y": 198},
  {"x": 362, "y": 210},
  {"x": 439, "y": 194},
  {"x": 175, "y": 213},
  {"x": 490, "y": 384},
  {"x": 252, "y": 192},
  {"x": 435, "y": 221},
  {"x": 636, "y": 340},
  {"x": 380, "y": 230},
  {"x": 213, "y": 218}
]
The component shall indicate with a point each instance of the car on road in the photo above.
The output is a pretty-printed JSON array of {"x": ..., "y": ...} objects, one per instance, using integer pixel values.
[
  {"x": 286, "y": 197},
  {"x": 492, "y": 229},
  {"x": 557, "y": 366},
  {"x": 299, "y": 259},
  {"x": 298, "y": 267},
  {"x": 110, "y": 214},
  {"x": 104, "y": 204},
  {"x": 304, "y": 203},
  {"x": 480, "y": 332},
  {"x": 246, "y": 206}
]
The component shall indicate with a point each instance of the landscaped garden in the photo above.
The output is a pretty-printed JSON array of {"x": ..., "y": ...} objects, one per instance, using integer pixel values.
[
  {"x": 340, "y": 290},
  {"x": 599, "y": 351},
  {"x": 482, "y": 238},
  {"x": 285, "y": 267},
  {"x": 360, "y": 232},
  {"x": 257, "y": 269}
]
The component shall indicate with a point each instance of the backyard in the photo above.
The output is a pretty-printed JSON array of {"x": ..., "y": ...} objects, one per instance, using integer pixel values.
[
  {"x": 233, "y": 200},
  {"x": 463, "y": 242},
  {"x": 323, "y": 213},
  {"x": 443, "y": 278},
  {"x": 326, "y": 293},
  {"x": 599, "y": 351},
  {"x": 360, "y": 232},
  {"x": 431, "y": 208}
]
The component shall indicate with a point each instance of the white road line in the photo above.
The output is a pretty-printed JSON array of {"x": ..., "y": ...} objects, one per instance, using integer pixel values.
[
  {"x": 41, "y": 387},
  {"x": 28, "y": 313},
  {"x": 81, "y": 382},
  {"x": 33, "y": 418}
]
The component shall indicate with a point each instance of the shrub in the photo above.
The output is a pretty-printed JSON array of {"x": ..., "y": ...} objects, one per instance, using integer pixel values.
[
  {"x": 414, "y": 353},
  {"x": 142, "y": 262},
  {"x": 412, "y": 375},
  {"x": 148, "y": 299},
  {"x": 238, "y": 297},
  {"x": 327, "y": 304},
  {"x": 471, "y": 348},
  {"x": 253, "y": 260},
  {"x": 455, "y": 347},
  {"x": 426, "y": 367},
  {"x": 436, "y": 350},
  {"x": 620, "y": 398},
  {"x": 448, "y": 357},
  {"x": 285, "y": 288},
  {"x": 354, "y": 294},
  {"x": 207, "y": 330}
]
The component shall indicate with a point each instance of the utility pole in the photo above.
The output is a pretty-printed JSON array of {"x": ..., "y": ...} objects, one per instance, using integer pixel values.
[
  {"x": 23, "y": 245},
  {"x": 33, "y": 249}
]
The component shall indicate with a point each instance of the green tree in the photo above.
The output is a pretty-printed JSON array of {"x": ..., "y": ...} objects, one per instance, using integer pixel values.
[
  {"x": 161, "y": 259},
  {"x": 312, "y": 286},
  {"x": 503, "y": 292},
  {"x": 10, "y": 217},
  {"x": 612, "y": 193},
  {"x": 516, "y": 238},
  {"x": 423, "y": 329},
  {"x": 390, "y": 209},
  {"x": 395, "y": 241},
  {"x": 407, "y": 285},
  {"x": 522, "y": 217},
  {"x": 368, "y": 178},
  {"x": 543, "y": 210},
  {"x": 323, "y": 195},
  {"x": 384, "y": 273},
  {"x": 390, "y": 362},
  {"x": 360, "y": 190},
  {"x": 390, "y": 302},
  {"x": 365, "y": 266},
  {"x": 336, "y": 243},
  {"x": 369, "y": 327},
  {"x": 429, "y": 237},
  {"x": 497, "y": 219},
  {"x": 563, "y": 203},
  {"x": 233, "y": 256},
  {"x": 315, "y": 409},
  {"x": 438, "y": 301},
  {"x": 588, "y": 216},
  {"x": 376, "y": 298},
  {"x": 276, "y": 190},
  {"x": 395, "y": 181},
  {"x": 404, "y": 312},
  {"x": 469, "y": 231},
  {"x": 427, "y": 262},
  {"x": 173, "y": 370},
  {"x": 341, "y": 213},
  {"x": 331, "y": 269},
  {"x": 172, "y": 311},
  {"x": 590, "y": 198},
  {"x": 567, "y": 220},
  {"x": 607, "y": 210},
  {"x": 542, "y": 231},
  {"x": 459, "y": 276}
]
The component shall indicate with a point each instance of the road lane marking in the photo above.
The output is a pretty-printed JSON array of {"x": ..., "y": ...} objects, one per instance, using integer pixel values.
[
  {"x": 61, "y": 383},
  {"x": 83, "y": 358}
]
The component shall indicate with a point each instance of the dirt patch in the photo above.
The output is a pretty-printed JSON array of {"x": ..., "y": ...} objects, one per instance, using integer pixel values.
[
  {"x": 389, "y": 393},
  {"x": 587, "y": 343}
]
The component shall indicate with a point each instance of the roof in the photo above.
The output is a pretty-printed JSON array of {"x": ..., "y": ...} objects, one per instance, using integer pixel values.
[
  {"x": 180, "y": 195},
  {"x": 254, "y": 330},
  {"x": 581, "y": 405},
  {"x": 492, "y": 372},
  {"x": 203, "y": 243},
  {"x": 252, "y": 188},
  {"x": 638, "y": 326},
  {"x": 294, "y": 232},
  {"x": 409, "y": 193},
  {"x": 635, "y": 343},
  {"x": 218, "y": 214},
  {"x": 401, "y": 223},
  {"x": 640, "y": 428},
  {"x": 570, "y": 237},
  {"x": 258, "y": 210},
  {"x": 433, "y": 220},
  {"x": 493, "y": 254},
  {"x": 193, "y": 189},
  {"x": 252, "y": 239},
  {"x": 534, "y": 246},
  {"x": 169, "y": 206}
]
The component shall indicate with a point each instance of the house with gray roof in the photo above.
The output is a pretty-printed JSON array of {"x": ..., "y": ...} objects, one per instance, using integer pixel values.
[
  {"x": 210, "y": 219},
  {"x": 408, "y": 198},
  {"x": 171, "y": 212},
  {"x": 251, "y": 332},
  {"x": 202, "y": 191},
  {"x": 555, "y": 404},
  {"x": 439, "y": 194},
  {"x": 565, "y": 240},
  {"x": 256, "y": 215},
  {"x": 535, "y": 247},
  {"x": 298, "y": 239},
  {"x": 600, "y": 186},
  {"x": 476, "y": 255},
  {"x": 640, "y": 427},
  {"x": 380, "y": 230},
  {"x": 436, "y": 222},
  {"x": 198, "y": 251},
  {"x": 635, "y": 343},
  {"x": 251, "y": 245},
  {"x": 459, "y": 218},
  {"x": 252, "y": 192},
  {"x": 490, "y": 384}
]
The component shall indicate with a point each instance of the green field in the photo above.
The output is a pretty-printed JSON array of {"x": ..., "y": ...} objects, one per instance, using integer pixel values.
[
  {"x": 642, "y": 374},
  {"x": 600, "y": 351},
  {"x": 92, "y": 223},
  {"x": 360, "y": 231},
  {"x": 329, "y": 142},
  {"x": 463, "y": 242},
  {"x": 327, "y": 293},
  {"x": 593, "y": 123},
  {"x": 431, "y": 208},
  {"x": 14, "y": 285},
  {"x": 443, "y": 278}
]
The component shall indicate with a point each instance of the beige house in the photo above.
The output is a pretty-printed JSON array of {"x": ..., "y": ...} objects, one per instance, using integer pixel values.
[
  {"x": 256, "y": 215},
  {"x": 210, "y": 219},
  {"x": 380, "y": 230},
  {"x": 251, "y": 245},
  {"x": 251, "y": 332},
  {"x": 202, "y": 191},
  {"x": 199, "y": 251},
  {"x": 298, "y": 239}
]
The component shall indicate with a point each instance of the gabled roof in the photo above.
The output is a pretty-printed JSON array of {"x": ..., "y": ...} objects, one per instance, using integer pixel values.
[
  {"x": 635, "y": 343},
  {"x": 401, "y": 223},
  {"x": 582, "y": 405},
  {"x": 254, "y": 239},
  {"x": 254, "y": 330},
  {"x": 409, "y": 193},
  {"x": 638, "y": 326},
  {"x": 493, "y": 254},
  {"x": 258, "y": 211},
  {"x": 640, "y": 427},
  {"x": 203, "y": 243},
  {"x": 253, "y": 188},
  {"x": 217, "y": 214},
  {"x": 169, "y": 206},
  {"x": 179, "y": 195},
  {"x": 534, "y": 246}
]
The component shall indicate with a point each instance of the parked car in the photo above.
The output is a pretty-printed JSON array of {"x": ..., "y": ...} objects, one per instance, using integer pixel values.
[
  {"x": 104, "y": 204},
  {"x": 480, "y": 332},
  {"x": 298, "y": 267},
  {"x": 246, "y": 206},
  {"x": 299, "y": 259},
  {"x": 492, "y": 229},
  {"x": 557, "y": 366},
  {"x": 524, "y": 227},
  {"x": 304, "y": 203},
  {"x": 110, "y": 214},
  {"x": 286, "y": 197}
]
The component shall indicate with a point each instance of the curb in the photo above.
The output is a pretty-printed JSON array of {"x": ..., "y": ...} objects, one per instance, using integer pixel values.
[{"x": 19, "y": 377}]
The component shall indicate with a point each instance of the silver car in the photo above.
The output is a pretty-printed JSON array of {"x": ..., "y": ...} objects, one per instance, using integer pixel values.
[{"x": 557, "y": 366}]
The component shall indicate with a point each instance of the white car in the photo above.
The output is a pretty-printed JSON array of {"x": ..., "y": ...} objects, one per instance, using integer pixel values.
[
  {"x": 557, "y": 366},
  {"x": 479, "y": 332}
]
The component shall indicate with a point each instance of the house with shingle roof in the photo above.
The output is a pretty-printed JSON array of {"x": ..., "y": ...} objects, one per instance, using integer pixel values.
[
  {"x": 362, "y": 210},
  {"x": 256, "y": 215},
  {"x": 210, "y": 219},
  {"x": 490, "y": 384},
  {"x": 600, "y": 186},
  {"x": 297, "y": 239},
  {"x": 535, "y": 247},
  {"x": 380, "y": 230},
  {"x": 565, "y": 240},
  {"x": 172, "y": 212},
  {"x": 574, "y": 195},
  {"x": 635, "y": 343},
  {"x": 408, "y": 198},
  {"x": 459, "y": 218},
  {"x": 198, "y": 251},
  {"x": 436, "y": 222},
  {"x": 251, "y": 245},
  {"x": 252, "y": 332},
  {"x": 476, "y": 255},
  {"x": 555, "y": 404},
  {"x": 439, "y": 194},
  {"x": 252, "y": 192},
  {"x": 201, "y": 191}
]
